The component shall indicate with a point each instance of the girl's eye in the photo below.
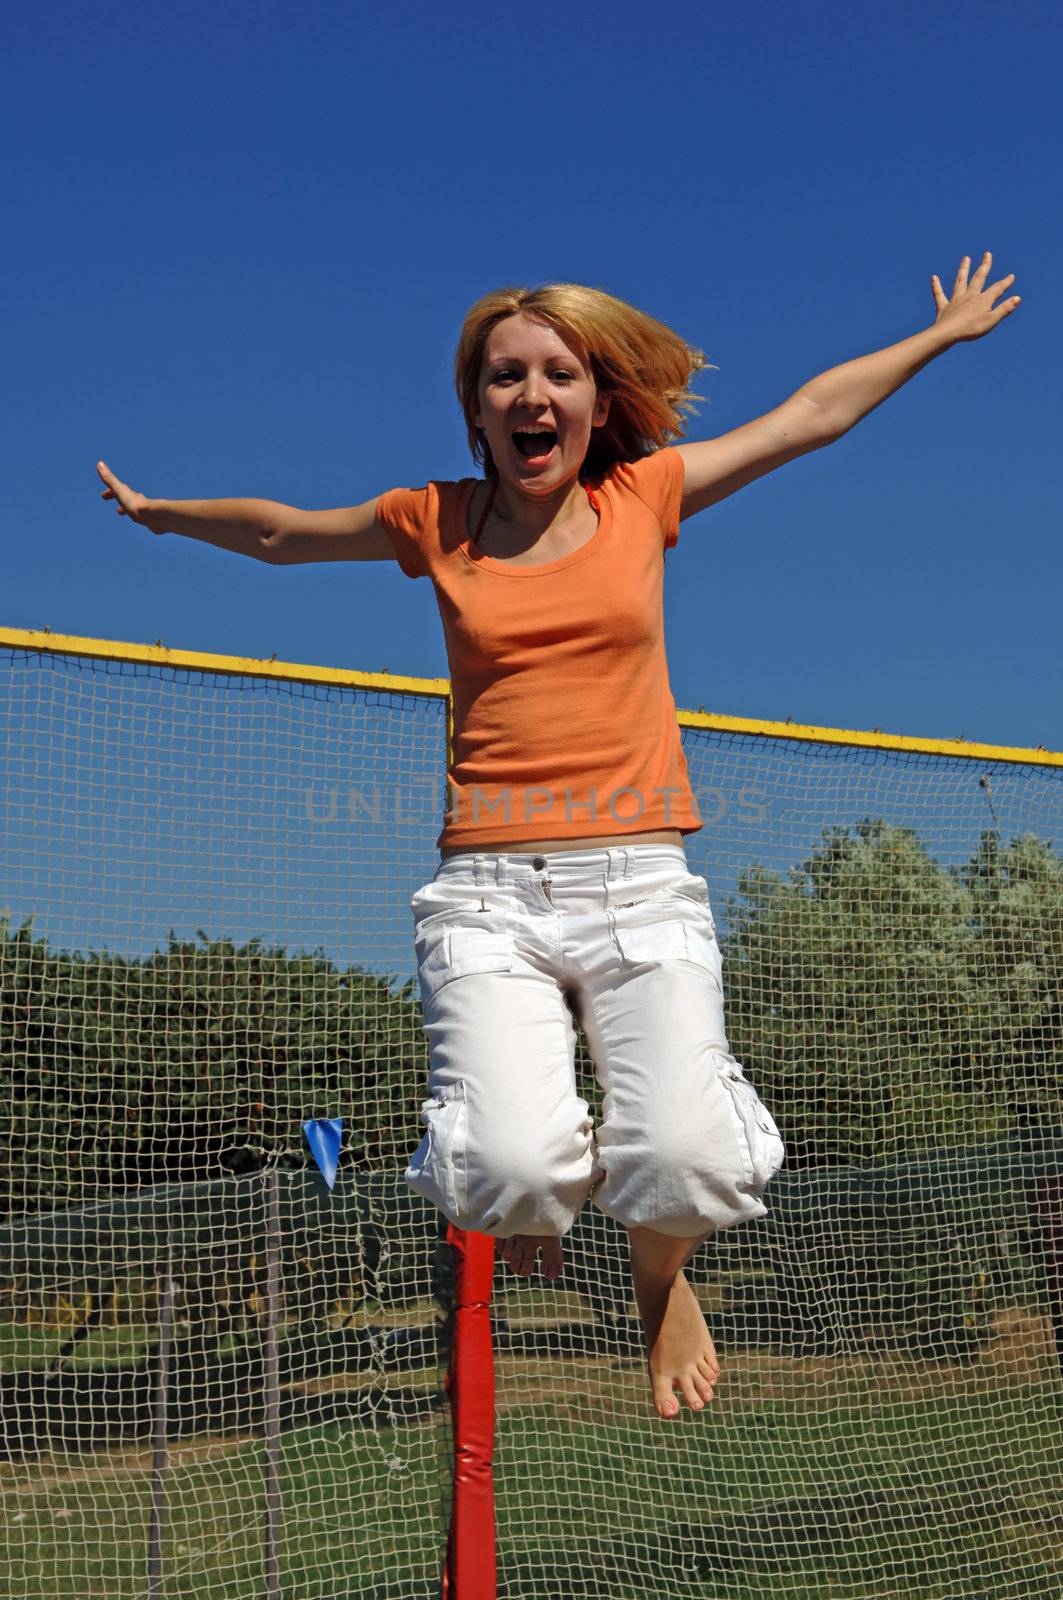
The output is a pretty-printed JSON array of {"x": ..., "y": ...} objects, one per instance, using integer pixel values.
[{"x": 507, "y": 372}]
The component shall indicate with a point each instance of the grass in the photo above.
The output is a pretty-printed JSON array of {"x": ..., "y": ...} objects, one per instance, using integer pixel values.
[
  {"x": 25, "y": 1345},
  {"x": 355, "y": 1505},
  {"x": 950, "y": 1500},
  {"x": 938, "y": 1497}
]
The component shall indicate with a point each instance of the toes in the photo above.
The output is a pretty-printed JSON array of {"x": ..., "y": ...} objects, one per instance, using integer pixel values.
[
  {"x": 523, "y": 1253},
  {"x": 704, "y": 1387},
  {"x": 696, "y": 1390},
  {"x": 665, "y": 1401},
  {"x": 513, "y": 1251},
  {"x": 709, "y": 1368},
  {"x": 691, "y": 1395},
  {"x": 553, "y": 1259}
]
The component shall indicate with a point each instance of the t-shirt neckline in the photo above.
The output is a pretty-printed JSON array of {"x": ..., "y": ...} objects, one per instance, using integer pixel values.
[{"x": 536, "y": 569}]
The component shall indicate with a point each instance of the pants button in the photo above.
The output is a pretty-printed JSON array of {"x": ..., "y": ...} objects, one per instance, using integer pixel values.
[{"x": 539, "y": 863}]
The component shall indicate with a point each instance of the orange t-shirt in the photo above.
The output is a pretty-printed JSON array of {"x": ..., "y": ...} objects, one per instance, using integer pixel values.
[{"x": 564, "y": 722}]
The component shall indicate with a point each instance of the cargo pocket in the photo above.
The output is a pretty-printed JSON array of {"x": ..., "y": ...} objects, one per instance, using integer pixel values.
[
  {"x": 437, "y": 1167},
  {"x": 445, "y": 952},
  {"x": 759, "y": 1140},
  {"x": 650, "y": 941},
  {"x": 668, "y": 939}
]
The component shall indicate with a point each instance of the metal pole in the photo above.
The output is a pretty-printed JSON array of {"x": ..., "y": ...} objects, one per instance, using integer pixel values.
[{"x": 273, "y": 1414}]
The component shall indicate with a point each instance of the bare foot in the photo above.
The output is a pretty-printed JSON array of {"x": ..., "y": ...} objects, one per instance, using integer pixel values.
[
  {"x": 521, "y": 1249},
  {"x": 681, "y": 1351}
]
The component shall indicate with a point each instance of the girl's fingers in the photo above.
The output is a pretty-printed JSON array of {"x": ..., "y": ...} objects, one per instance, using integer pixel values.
[
  {"x": 961, "y": 277},
  {"x": 114, "y": 488},
  {"x": 999, "y": 287},
  {"x": 983, "y": 269},
  {"x": 940, "y": 298}
]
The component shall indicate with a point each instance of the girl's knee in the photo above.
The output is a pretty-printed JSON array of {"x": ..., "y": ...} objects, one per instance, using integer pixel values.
[
  {"x": 695, "y": 1173},
  {"x": 511, "y": 1183},
  {"x": 500, "y": 1206}
]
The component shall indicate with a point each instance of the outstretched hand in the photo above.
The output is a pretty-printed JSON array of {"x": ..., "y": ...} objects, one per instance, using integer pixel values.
[
  {"x": 128, "y": 503},
  {"x": 970, "y": 313}
]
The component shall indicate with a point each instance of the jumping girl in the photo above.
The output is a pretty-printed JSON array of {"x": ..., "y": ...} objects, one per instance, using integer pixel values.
[{"x": 563, "y": 891}]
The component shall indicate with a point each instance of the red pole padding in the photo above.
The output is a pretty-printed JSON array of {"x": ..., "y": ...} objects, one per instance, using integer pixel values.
[{"x": 470, "y": 1568}]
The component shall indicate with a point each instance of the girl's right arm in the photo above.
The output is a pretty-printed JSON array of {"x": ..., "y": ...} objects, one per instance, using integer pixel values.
[{"x": 270, "y": 531}]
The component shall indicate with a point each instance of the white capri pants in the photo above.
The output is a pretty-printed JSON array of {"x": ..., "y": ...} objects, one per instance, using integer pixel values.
[{"x": 508, "y": 947}]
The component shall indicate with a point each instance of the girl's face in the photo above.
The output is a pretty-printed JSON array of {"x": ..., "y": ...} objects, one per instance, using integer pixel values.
[{"x": 538, "y": 404}]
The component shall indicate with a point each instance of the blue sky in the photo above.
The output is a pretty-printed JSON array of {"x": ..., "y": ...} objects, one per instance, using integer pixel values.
[{"x": 242, "y": 241}]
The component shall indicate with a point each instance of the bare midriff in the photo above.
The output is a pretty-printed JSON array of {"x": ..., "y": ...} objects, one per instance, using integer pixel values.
[{"x": 542, "y": 846}]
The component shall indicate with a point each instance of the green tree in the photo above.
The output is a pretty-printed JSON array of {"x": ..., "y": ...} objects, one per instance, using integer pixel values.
[
  {"x": 885, "y": 1005},
  {"x": 123, "y": 1072},
  {"x": 1016, "y": 896}
]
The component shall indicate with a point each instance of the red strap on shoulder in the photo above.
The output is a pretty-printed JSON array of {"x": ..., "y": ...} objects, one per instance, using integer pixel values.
[
  {"x": 591, "y": 496},
  {"x": 483, "y": 514}
]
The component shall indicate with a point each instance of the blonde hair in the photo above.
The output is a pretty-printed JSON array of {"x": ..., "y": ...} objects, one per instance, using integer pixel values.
[{"x": 637, "y": 361}]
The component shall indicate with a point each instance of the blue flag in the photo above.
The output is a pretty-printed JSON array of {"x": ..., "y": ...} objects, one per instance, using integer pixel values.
[{"x": 324, "y": 1135}]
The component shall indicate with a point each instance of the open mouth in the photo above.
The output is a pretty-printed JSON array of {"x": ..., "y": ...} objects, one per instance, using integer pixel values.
[{"x": 534, "y": 444}]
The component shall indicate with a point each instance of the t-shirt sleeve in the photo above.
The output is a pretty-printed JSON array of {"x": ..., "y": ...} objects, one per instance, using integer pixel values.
[
  {"x": 658, "y": 482},
  {"x": 407, "y": 515}
]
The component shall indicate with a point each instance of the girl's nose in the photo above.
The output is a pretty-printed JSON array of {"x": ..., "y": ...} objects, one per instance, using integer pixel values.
[{"x": 532, "y": 395}]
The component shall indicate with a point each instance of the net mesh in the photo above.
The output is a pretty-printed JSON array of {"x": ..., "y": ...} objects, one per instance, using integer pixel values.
[{"x": 218, "y": 1377}]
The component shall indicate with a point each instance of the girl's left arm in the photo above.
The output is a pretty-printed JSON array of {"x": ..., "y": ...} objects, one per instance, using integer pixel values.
[{"x": 828, "y": 406}]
